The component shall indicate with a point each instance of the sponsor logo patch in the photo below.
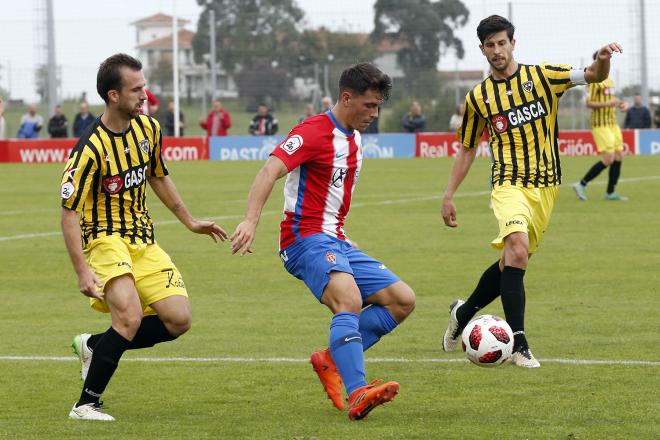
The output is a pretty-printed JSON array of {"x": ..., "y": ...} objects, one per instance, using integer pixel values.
[
  {"x": 128, "y": 179},
  {"x": 292, "y": 144},
  {"x": 515, "y": 222},
  {"x": 67, "y": 190},
  {"x": 499, "y": 123},
  {"x": 519, "y": 116},
  {"x": 330, "y": 256},
  {"x": 113, "y": 184}
]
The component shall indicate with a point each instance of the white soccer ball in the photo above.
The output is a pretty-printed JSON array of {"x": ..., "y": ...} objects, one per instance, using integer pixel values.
[{"x": 487, "y": 341}]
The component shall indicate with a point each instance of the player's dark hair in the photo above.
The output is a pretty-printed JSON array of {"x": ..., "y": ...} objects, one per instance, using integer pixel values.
[
  {"x": 492, "y": 25},
  {"x": 365, "y": 76},
  {"x": 109, "y": 77}
]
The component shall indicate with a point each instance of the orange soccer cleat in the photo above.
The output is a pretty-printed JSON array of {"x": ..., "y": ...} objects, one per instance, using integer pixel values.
[
  {"x": 366, "y": 398},
  {"x": 328, "y": 375}
]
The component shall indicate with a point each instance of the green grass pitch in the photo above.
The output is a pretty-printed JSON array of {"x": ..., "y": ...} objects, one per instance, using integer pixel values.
[{"x": 592, "y": 294}]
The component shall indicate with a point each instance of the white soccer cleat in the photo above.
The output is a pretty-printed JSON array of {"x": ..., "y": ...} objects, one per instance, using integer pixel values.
[
  {"x": 579, "y": 190},
  {"x": 90, "y": 411},
  {"x": 80, "y": 348},
  {"x": 525, "y": 359},
  {"x": 452, "y": 334}
]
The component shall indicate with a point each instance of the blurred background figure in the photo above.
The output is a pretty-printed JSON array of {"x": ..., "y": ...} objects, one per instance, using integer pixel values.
[
  {"x": 637, "y": 116},
  {"x": 31, "y": 124},
  {"x": 263, "y": 123},
  {"x": 309, "y": 111},
  {"x": 169, "y": 120},
  {"x": 414, "y": 121},
  {"x": 82, "y": 120},
  {"x": 326, "y": 104},
  {"x": 218, "y": 121},
  {"x": 58, "y": 124},
  {"x": 457, "y": 118},
  {"x": 151, "y": 104}
]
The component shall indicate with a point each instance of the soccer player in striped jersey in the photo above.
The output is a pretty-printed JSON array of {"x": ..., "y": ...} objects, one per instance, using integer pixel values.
[
  {"x": 607, "y": 135},
  {"x": 517, "y": 103},
  {"x": 110, "y": 235},
  {"x": 323, "y": 159}
]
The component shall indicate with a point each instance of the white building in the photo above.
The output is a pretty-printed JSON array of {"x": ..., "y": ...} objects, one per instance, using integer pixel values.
[{"x": 154, "y": 43}]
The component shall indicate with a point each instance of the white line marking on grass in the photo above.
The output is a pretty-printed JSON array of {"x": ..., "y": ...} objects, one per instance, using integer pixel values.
[
  {"x": 285, "y": 360},
  {"x": 354, "y": 205}
]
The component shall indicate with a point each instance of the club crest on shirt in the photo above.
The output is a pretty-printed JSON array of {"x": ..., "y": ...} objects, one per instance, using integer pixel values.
[
  {"x": 113, "y": 184},
  {"x": 528, "y": 86},
  {"x": 330, "y": 256},
  {"x": 144, "y": 146},
  {"x": 292, "y": 144}
]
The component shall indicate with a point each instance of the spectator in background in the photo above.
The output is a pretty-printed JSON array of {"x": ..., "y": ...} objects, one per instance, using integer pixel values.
[
  {"x": 414, "y": 121},
  {"x": 656, "y": 117},
  {"x": 637, "y": 116},
  {"x": 217, "y": 122},
  {"x": 151, "y": 104},
  {"x": 309, "y": 111},
  {"x": 31, "y": 124},
  {"x": 58, "y": 125},
  {"x": 3, "y": 127},
  {"x": 263, "y": 123},
  {"x": 457, "y": 118},
  {"x": 169, "y": 120},
  {"x": 326, "y": 104},
  {"x": 82, "y": 120}
]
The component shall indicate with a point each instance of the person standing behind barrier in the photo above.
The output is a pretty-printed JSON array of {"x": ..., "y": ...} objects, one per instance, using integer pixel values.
[
  {"x": 637, "y": 116},
  {"x": 58, "y": 125},
  {"x": 82, "y": 120},
  {"x": 457, "y": 118},
  {"x": 169, "y": 120},
  {"x": 414, "y": 121},
  {"x": 326, "y": 104},
  {"x": 309, "y": 111},
  {"x": 218, "y": 121},
  {"x": 31, "y": 124},
  {"x": 3, "y": 127},
  {"x": 263, "y": 123}
]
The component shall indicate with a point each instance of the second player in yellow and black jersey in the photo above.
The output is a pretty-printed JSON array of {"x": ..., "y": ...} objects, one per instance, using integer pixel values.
[
  {"x": 520, "y": 113},
  {"x": 603, "y": 92},
  {"x": 105, "y": 179}
]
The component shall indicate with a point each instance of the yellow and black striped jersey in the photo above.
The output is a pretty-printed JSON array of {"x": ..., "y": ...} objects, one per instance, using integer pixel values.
[
  {"x": 520, "y": 113},
  {"x": 105, "y": 179},
  {"x": 602, "y": 92}
]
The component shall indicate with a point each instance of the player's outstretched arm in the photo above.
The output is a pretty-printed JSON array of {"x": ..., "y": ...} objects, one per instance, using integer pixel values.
[
  {"x": 462, "y": 164},
  {"x": 88, "y": 282},
  {"x": 167, "y": 193},
  {"x": 243, "y": 236},
  {"x": 600, "y": 68}
]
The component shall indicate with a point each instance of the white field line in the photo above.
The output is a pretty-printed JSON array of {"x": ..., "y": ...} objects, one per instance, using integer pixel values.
[
  {"x": 353, "y": 205},
  {"x": 286, "y": 360}
]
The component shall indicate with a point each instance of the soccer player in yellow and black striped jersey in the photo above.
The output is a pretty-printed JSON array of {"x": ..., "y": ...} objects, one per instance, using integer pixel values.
[
  {"x": 607, "y": 135},
  {"x": 518, "y": 105},
  {"x": 110, "y": 235}
]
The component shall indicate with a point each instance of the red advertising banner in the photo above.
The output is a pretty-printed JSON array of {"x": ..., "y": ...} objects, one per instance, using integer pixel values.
[
  {"x": 185, "y": 148},
  {"x": 444, "y": 145},
  {"x": 571, "y": 143},
  {"x": 581, "y": 143},
  {"x": 58, "y": 150}
]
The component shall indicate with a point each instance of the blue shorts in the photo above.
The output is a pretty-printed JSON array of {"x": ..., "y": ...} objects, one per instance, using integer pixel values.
[{"x": 312, "y": 258}]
